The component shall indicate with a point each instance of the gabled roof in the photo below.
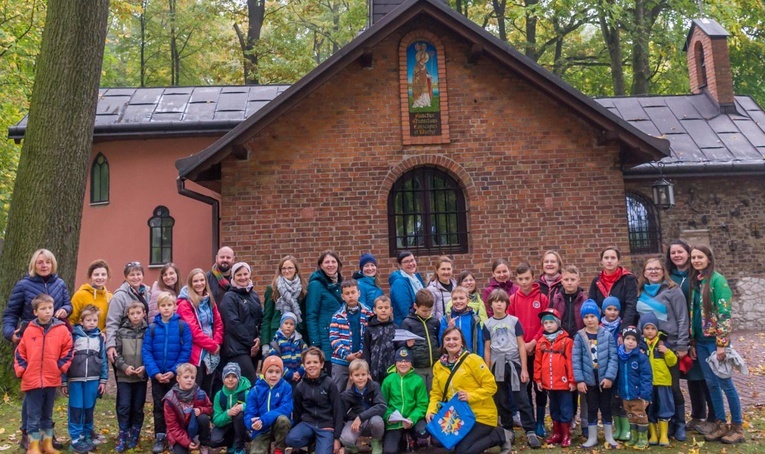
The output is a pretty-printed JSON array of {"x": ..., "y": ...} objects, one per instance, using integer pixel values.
[
  {"x": 710, "y": 27},
  {"x": 164, "y": 111},
  {"x": 639, "y": 146},
  {"x": 702, "y": 139}
]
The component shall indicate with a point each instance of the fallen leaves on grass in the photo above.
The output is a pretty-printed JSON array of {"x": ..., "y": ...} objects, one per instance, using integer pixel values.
[{"x": 5, "y": 447}]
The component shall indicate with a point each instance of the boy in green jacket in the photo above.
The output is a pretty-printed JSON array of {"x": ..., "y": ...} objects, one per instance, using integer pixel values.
[
  {"x": 228, "y": 411},
  {"x": 406, "y": 395}
]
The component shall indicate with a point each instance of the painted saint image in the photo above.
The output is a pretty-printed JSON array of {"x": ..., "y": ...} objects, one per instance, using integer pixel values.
[{"x": 423, "y": 75}]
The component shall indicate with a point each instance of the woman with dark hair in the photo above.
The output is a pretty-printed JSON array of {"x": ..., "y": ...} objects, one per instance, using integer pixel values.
[
  {"x": 286, "y": 293},
  {"x": 404, "y": 284},
  {"x": 93, "y": 292},
  {"x": 500, "y": 271},
  {"x": 322, "y": 301},
  {"x": 661, "y": 296},
  {"x": 242, "y": 315},
  {"x": 169, "y": 281},
  {"x": 474, "y": 383},
  {"x": 678, "y": 263},
  {"x": 711, "y": 330},
  {"x": 616, "y": 281}
]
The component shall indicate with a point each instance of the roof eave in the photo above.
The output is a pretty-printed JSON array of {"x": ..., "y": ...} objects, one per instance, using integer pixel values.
[{"x": 688, "y": 169}]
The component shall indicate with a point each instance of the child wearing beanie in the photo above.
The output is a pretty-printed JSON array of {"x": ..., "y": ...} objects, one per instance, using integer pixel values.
[
  {"x": 595, "y": 363},
  {"x": 634, "y": 386},
  {"x": 288, "y": 344},
  {"x": 661, "y": 358},
  {"x": 404, "y": 391},
  {"x": 268, "y": 409},
  {"x": 553, "y": 372},
  {"x": 228, "y": 410},
  {"x": 366, "y": 276}
]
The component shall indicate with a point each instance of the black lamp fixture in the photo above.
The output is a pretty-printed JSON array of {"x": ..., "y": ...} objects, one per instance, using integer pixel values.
[{"x": 663, "y": 191}]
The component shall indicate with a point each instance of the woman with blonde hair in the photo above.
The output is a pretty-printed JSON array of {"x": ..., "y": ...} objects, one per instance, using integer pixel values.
[{"x": 285, "y": 294}]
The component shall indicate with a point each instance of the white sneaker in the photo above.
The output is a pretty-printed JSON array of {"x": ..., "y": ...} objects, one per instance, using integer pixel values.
[{"x": 517, "y": 420}]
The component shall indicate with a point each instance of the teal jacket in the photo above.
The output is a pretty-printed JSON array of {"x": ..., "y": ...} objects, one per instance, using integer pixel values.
[{"x": 321, "y": 302}]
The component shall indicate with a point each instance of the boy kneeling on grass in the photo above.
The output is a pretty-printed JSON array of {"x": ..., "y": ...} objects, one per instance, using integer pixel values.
[
  {"x": 268, "y": 408},
  {"x": 365, "y": 408},
  {"x": 187, "y": 413}
]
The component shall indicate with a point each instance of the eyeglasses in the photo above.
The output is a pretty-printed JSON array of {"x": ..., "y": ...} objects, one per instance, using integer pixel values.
[
  {"x": 653, "y": 270},
  {"x": 407, "y": 261},
  {"x": 288, "y": 268}
]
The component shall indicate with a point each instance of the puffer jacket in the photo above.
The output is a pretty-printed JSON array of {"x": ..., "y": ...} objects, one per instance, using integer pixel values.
[
  {"x": 178, "y": 415},
  {"x": 424, "y": 352},
  {"x": 317, "y": 403},
  {"x": 508, "y": 286},
  {"x": 129, "y": 345},
  {"x": 677, "y": 325},
  {"x": 625, "y": 289},
  {"x": 660, "y": 362},
  {"x": 89, "y": 362},
  {"x": 226, "y": 399},
  {"x": 608, "y": 360},
  {"x": 118, "y": 305},
  {"x": 471, "y": 328},
  {"x": 290, "y": 350},
  {"x": 380, "y": 350},
  {"x": 242, "y": 315},
  {"x": 19, "y": 308},
  {"x": 635, "y": 378},
  {"x": 402, "y": 295},
  {"x": 552, "y": 363},
  {"x": 89, "y": 295},
  {"x": 43, "y": 356},
  {"x": 570, "y": 309},
  {"x": 405, "y": 393},
  {"x": 340, "y": 336},
  {"x": 166, "y": 345},
  {"x": 200, "y": 341},
  {"x": 368, "y": 289},
  {"x": 527, "y": 308},
  {"x": 473, "y": 377},
  {"x": 363, "y": 404},
  {"x": 272, "y": 317},
  {"x": 321, "y": 302},
  {"x": 267, "y": 403},
  {"x": 442, "y": 297},
  {"x": 718, "y": 324}
]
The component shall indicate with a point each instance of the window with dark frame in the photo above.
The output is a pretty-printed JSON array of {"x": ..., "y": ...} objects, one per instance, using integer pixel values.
[
  {"x": 161, "y": 236},
  {"x": 643, "y": 223},
  {"x": 426, "y": 214},
  {"x": 99, "y": 180}
]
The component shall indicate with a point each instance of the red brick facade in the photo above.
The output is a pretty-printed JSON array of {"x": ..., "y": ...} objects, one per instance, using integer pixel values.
[
  {"x": 318, "y": 177},
  {"x": 716, "y": 61}
]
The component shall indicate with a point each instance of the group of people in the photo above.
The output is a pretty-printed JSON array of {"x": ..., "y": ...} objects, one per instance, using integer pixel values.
[{"x": 320, "y": 363}]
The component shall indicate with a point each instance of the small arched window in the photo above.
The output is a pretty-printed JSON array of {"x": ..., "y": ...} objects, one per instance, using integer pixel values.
[
  {"x": 643, "y": 223},
  {"x": 161, "y": 236},
  {"x": 701, "y": 65},
  {"x": 426, "y": 214},
  {"x": 99, "y": 180}
]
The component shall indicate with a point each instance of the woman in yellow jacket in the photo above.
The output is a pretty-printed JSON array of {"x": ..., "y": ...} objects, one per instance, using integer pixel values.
[
  {"x": 94, "y": 292},
  {"x": 474, "y": 383}
]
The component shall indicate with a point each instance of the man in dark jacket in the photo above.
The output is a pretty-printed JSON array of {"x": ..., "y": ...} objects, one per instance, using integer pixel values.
[{"x": 219, "y": 276}]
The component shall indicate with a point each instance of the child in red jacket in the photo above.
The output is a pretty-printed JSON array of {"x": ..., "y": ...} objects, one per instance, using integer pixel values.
[
  {"x": 554, "y": 372},
  {"x": 43, "y": 355},
  {"x": 187, "y": 413}
]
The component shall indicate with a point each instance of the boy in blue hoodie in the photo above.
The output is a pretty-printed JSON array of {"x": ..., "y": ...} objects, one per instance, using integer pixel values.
[
  {"x": 166, "y": 345},
  {"x": 86, "y": 378},
  {"x": 268, "y": 409},
  {"x": 463, "y": 317},
  {"x": 634, "y": 386},
  {"x": 288, "y": 344},
  {"x": 228, "y": 411}
]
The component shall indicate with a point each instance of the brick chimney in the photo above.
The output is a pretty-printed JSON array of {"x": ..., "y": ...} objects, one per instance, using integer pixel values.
[{"x": 709, "y": 63}]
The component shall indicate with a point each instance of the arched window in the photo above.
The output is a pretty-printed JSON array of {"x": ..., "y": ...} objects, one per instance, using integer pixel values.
[
  {"x": 643, "y": 223},
  {"x": 161, "y": 236},
  {"x": 99, "y": 180},
  {"x": 701, "y": 65},
  {"x": 426, "y": 213}
]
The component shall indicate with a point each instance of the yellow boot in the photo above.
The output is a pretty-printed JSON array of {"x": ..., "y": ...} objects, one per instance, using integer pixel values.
[
  {"x": 46, "y": 446},
  {"x": 663, "y": 432},
  {"x": 653, "y": 436},
  {"x": 34, "y": 447}
]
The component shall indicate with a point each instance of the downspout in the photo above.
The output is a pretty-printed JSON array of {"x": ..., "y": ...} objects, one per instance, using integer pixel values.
[{"x": 214, "y": 204}]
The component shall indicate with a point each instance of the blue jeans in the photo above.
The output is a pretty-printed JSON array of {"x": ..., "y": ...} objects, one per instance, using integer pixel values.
[
  {"x": 704, "y": 349},
  {"x": 82, "y": 402},
  {"x": 303, "y": 433},
  {"x": 40, "y": 409},
  {"x": 561, "y": 406}
]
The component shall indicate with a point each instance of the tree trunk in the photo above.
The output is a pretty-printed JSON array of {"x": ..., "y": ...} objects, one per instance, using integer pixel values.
[
  {"x": 175, "y": 59},
  {"x": 499, "y": 12},
  {"x": 49, "y": 191},
  {"x": 531, "y": 31},
  {"x": 144, "y": 5},
  {"x": 640, "y": 52},
  {"x": 612, "y": 40},
  {"x": 256, "y": 11}
]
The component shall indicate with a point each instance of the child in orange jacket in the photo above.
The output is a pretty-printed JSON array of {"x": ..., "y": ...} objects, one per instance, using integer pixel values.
[
  {"x": 554, "y": 373},
  {"x": 42, "y": 356}
]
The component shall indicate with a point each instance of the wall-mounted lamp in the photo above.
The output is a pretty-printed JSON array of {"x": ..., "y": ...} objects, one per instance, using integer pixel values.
[{"x": 663, "y": 190}]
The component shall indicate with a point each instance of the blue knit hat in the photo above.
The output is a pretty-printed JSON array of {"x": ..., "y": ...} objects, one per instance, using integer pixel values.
[
  {"x": 288, "y": 316},
  {"x": 648, "y": 319},
  {"x": 590, "y": 307},
  {"x": 366, "y": 258},
  {"x": 612, "y": 301}
]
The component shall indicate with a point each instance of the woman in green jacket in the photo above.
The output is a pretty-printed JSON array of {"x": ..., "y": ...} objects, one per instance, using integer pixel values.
[{"x": 285, "y": 294}]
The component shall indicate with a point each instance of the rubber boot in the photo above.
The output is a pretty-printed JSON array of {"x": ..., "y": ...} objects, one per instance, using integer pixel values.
[
  {"x": 609, "y": 436},
  {"x": 133, "y": 436},
  {"x": 33, "y": 447},
  {"x": 565, "y": 430},
  {"x": 556, "y": 435},
  {"x": 46, "y": 446},
  {"x": 56, "y": 444},
  {"x": 122, "y": 442},
  {"x": 680, "y": 434},
  {"x": 653, "y": 434},
  {"x": 540, "y": 429},
  {"x": 377, "y": 447},
  {"x": 663, "y": 432},
  {"x": 632, "y": 439},
  {"x": 642, "y": 434},
  {"x": 592, "y": 436}
]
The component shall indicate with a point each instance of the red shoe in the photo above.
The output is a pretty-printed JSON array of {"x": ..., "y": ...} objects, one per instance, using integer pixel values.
[
  {"x": 565, "y": 429},
  {"x": 556, "y": 436},
  {"x": 278, "y": 451}
]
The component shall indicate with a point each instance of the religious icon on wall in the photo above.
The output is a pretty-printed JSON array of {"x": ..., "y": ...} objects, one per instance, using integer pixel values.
[{"x": 423, "y": 91}]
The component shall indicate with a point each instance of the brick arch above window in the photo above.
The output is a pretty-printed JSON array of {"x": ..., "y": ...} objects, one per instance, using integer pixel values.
[{"x": 448, "y": 165}]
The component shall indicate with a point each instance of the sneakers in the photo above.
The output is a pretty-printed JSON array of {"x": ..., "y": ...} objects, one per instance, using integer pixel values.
[
  {"x": 719, "y": 431},
  {"x": 517, "y": 420},
  {"x": 159, "y": 444},
  {"x": 507, "y": 446},
  {"x": 81, "y": 447},
  {"x": 734, "y": 435},
  {"x": 532, "y": 440}
]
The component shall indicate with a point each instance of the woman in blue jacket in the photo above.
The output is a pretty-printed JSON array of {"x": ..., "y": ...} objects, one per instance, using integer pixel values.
[
  {"x": 404, "y": 284},
  {"x": 322, "y": 301},
  {"x": 367, "y": 279}
]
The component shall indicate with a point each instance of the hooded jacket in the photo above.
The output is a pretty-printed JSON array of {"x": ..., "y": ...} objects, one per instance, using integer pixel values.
[
  {"x": 625, "y": 289},
  {"x": 43, "y": 356},
  {"x": 550, "y": 290},
  {"x": 242, "y": 315},
  {"x": 341, "y": 337},
  {"x": 129, "y": 345},
  {"x": 424, "y": 352},
  {"x": 200, "y": 341},
  {"x": 363, "y": 404},
  {"x": 267, "y": 403},
  {"x": 290, "y": 350},
  {"x": 225, "y": 399},
  {"x": 442, "y": 297},
  {"x": 552, "y": 363},
  {"x": 473, "y": 377},
  {"x": 405, "y": 393},
  {"x": 118, "y": 305},
  {"x": 87, "y": 294},
  {"x": 166, "y": 345},
  {"x": 402, "y": 295},
  {"x": 570, "y": 314},
  {"x": 177, "y": 415},
  {"x": 368, "y": 289},
  {"x": 19, "y": 308},
  {"x": 471, "y": 328},
  {"x": 527, "y": 308},
  {"x": 677, "y": 325},
  {"x": 608, "y": 360},
  {"x": 476, "y": 303},
  {"x": 380, "y": 350},
  {"x": 89, "y": 361},
  {"x": 318, "y": 404},
  {"x": 321, "y": 302},
  {"x": 635, "y": 377},
  {"x": 508, "y": 286}
]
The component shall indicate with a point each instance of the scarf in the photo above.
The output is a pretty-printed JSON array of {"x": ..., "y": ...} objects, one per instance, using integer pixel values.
[
  {"x": 450, "y": 364},
  {"x": 613, "y": 326},
  {"x": 223, "y": 281},
  {"x": 186, "y": 396},
  {"x": 289, "y": 291},
  {"x": 552, "y": 336},
  {"x": 142, "y": 293},
  {"x": 413, "y": 281},
  {"x": 624, "y": 355},
  {"x": 646, "y": 302},
  {"x": 607, "y": 281},
  {"x": 247, "y": 287}
]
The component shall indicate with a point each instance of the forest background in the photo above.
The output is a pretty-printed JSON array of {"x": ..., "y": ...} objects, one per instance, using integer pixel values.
[{"x": 601, "y": 47}]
